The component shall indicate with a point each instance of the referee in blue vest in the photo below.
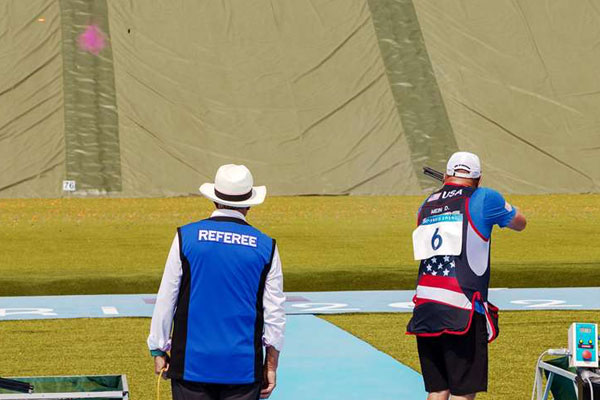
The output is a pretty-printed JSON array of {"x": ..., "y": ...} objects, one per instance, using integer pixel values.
[{"x": 222, "y": 298}]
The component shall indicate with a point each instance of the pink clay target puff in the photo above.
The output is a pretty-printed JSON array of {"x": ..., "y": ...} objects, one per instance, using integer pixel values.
[{"x": 92, "y": 40}]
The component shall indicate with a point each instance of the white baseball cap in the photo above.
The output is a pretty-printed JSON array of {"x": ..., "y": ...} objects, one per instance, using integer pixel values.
[
  {"x": 233, "y": 187},
  {"x": 465, "y": 161}
]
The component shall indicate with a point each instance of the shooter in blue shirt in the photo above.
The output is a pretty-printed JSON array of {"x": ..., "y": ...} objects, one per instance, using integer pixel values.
[{"x": 452, "y": 318}]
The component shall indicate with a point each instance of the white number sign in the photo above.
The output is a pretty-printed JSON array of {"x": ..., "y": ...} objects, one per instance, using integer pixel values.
[
  {"x": 439, "y": 235},
  {"x": 69, "y": 186}
]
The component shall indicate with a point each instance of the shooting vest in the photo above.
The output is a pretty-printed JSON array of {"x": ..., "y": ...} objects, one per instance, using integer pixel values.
[
  {"x": 218, "y": 324},
  {"x": 454, "y": 270}
]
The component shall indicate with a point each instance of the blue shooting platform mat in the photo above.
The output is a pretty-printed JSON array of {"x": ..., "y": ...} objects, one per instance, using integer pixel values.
[{"x": 322, "y": 361}]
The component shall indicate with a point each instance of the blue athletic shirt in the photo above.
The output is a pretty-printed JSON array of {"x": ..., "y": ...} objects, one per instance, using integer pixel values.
[{"x": 488, "y": 208}]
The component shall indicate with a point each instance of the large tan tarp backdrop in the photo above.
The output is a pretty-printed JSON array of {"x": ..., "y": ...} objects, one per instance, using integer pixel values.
[
  {"x": 32, "y": 151},
  {"x": 316, "y": 97}
]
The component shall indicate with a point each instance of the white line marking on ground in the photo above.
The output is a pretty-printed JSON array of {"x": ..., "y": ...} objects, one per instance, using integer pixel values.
[
  {"x": 4, "y": 312},
  {"x": 324, "y": 307},
  {"x": 544, "y": 303},
  {"x": 110, "y": 310}
]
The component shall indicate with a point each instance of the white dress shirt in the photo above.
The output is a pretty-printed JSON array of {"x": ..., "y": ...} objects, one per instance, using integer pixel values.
[{"x": 166, "y": 300}]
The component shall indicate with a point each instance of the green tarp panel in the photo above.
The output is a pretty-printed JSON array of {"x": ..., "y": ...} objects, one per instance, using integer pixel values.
[
  {"x": 413, "y": 84},
  {"x": 148, "y": 98},
  {"x": 93, "y": 158},
  {"x": 562, "y": 388}
]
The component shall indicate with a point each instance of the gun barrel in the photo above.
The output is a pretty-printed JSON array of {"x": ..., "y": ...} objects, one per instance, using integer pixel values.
[{"x": 432, "y": 173}]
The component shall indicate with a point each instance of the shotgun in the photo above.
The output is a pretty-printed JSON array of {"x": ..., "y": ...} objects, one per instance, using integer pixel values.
[{"x": 432, "y": 173}]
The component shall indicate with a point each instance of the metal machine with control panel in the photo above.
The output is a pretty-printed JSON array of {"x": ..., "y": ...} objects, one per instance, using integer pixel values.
[
  {"x": 583, "y": 345},
  {"x": 578, "y": 364}
]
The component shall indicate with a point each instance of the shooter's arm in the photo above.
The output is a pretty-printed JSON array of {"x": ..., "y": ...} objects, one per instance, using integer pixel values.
[{"x": 519, "y": 222}]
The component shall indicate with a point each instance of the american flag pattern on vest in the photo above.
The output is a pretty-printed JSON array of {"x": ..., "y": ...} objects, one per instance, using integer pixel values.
[{"x": 438, "y": 282}]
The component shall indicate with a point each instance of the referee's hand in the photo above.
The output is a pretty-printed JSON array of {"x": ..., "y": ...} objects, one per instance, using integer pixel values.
[
  {"x": 269, "y": 372},
  {"x": 161, "y": 363},
  {"x": 269, "y": 379}
]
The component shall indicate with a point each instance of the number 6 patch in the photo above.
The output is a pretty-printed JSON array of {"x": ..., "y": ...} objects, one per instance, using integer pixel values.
[{"x": 439, "y": 235}]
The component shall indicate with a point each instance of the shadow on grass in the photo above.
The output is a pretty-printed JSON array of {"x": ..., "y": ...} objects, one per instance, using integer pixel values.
[
  {"x": 357, "y": 278},
  {"x": 503, "y": 275}
]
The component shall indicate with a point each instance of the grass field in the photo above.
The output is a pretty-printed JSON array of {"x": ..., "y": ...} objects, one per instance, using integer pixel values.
[
  {"x": 55, "y": 347},
  {"x": 84, "y": 246}
]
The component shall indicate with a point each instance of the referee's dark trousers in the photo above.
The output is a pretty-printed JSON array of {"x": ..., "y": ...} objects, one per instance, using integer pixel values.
[{"x": 187, "y": 390}]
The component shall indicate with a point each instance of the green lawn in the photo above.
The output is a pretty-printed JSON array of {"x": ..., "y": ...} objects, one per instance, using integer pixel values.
[
  {"x": 117, "y": 345},
  {"x": 79, "y": 246}
]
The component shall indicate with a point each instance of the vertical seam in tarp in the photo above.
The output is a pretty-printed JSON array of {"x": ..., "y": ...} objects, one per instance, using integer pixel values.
[
  {"x": 92, "y": 146},
  {"x": 413, "y": 84}
]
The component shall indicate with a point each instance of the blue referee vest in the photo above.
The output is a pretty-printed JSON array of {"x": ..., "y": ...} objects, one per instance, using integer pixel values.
[{"x": 218, "y": 324}]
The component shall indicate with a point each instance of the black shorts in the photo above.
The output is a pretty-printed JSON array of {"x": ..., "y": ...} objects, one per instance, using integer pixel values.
[
  {"x": 456, "y": 362},
  {"x": 186, "y": 390}
]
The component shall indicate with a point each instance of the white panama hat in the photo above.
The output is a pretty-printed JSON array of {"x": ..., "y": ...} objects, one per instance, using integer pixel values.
[
  {"x": 465, "y": 161},
  {"x": 233, "y": 187}
]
